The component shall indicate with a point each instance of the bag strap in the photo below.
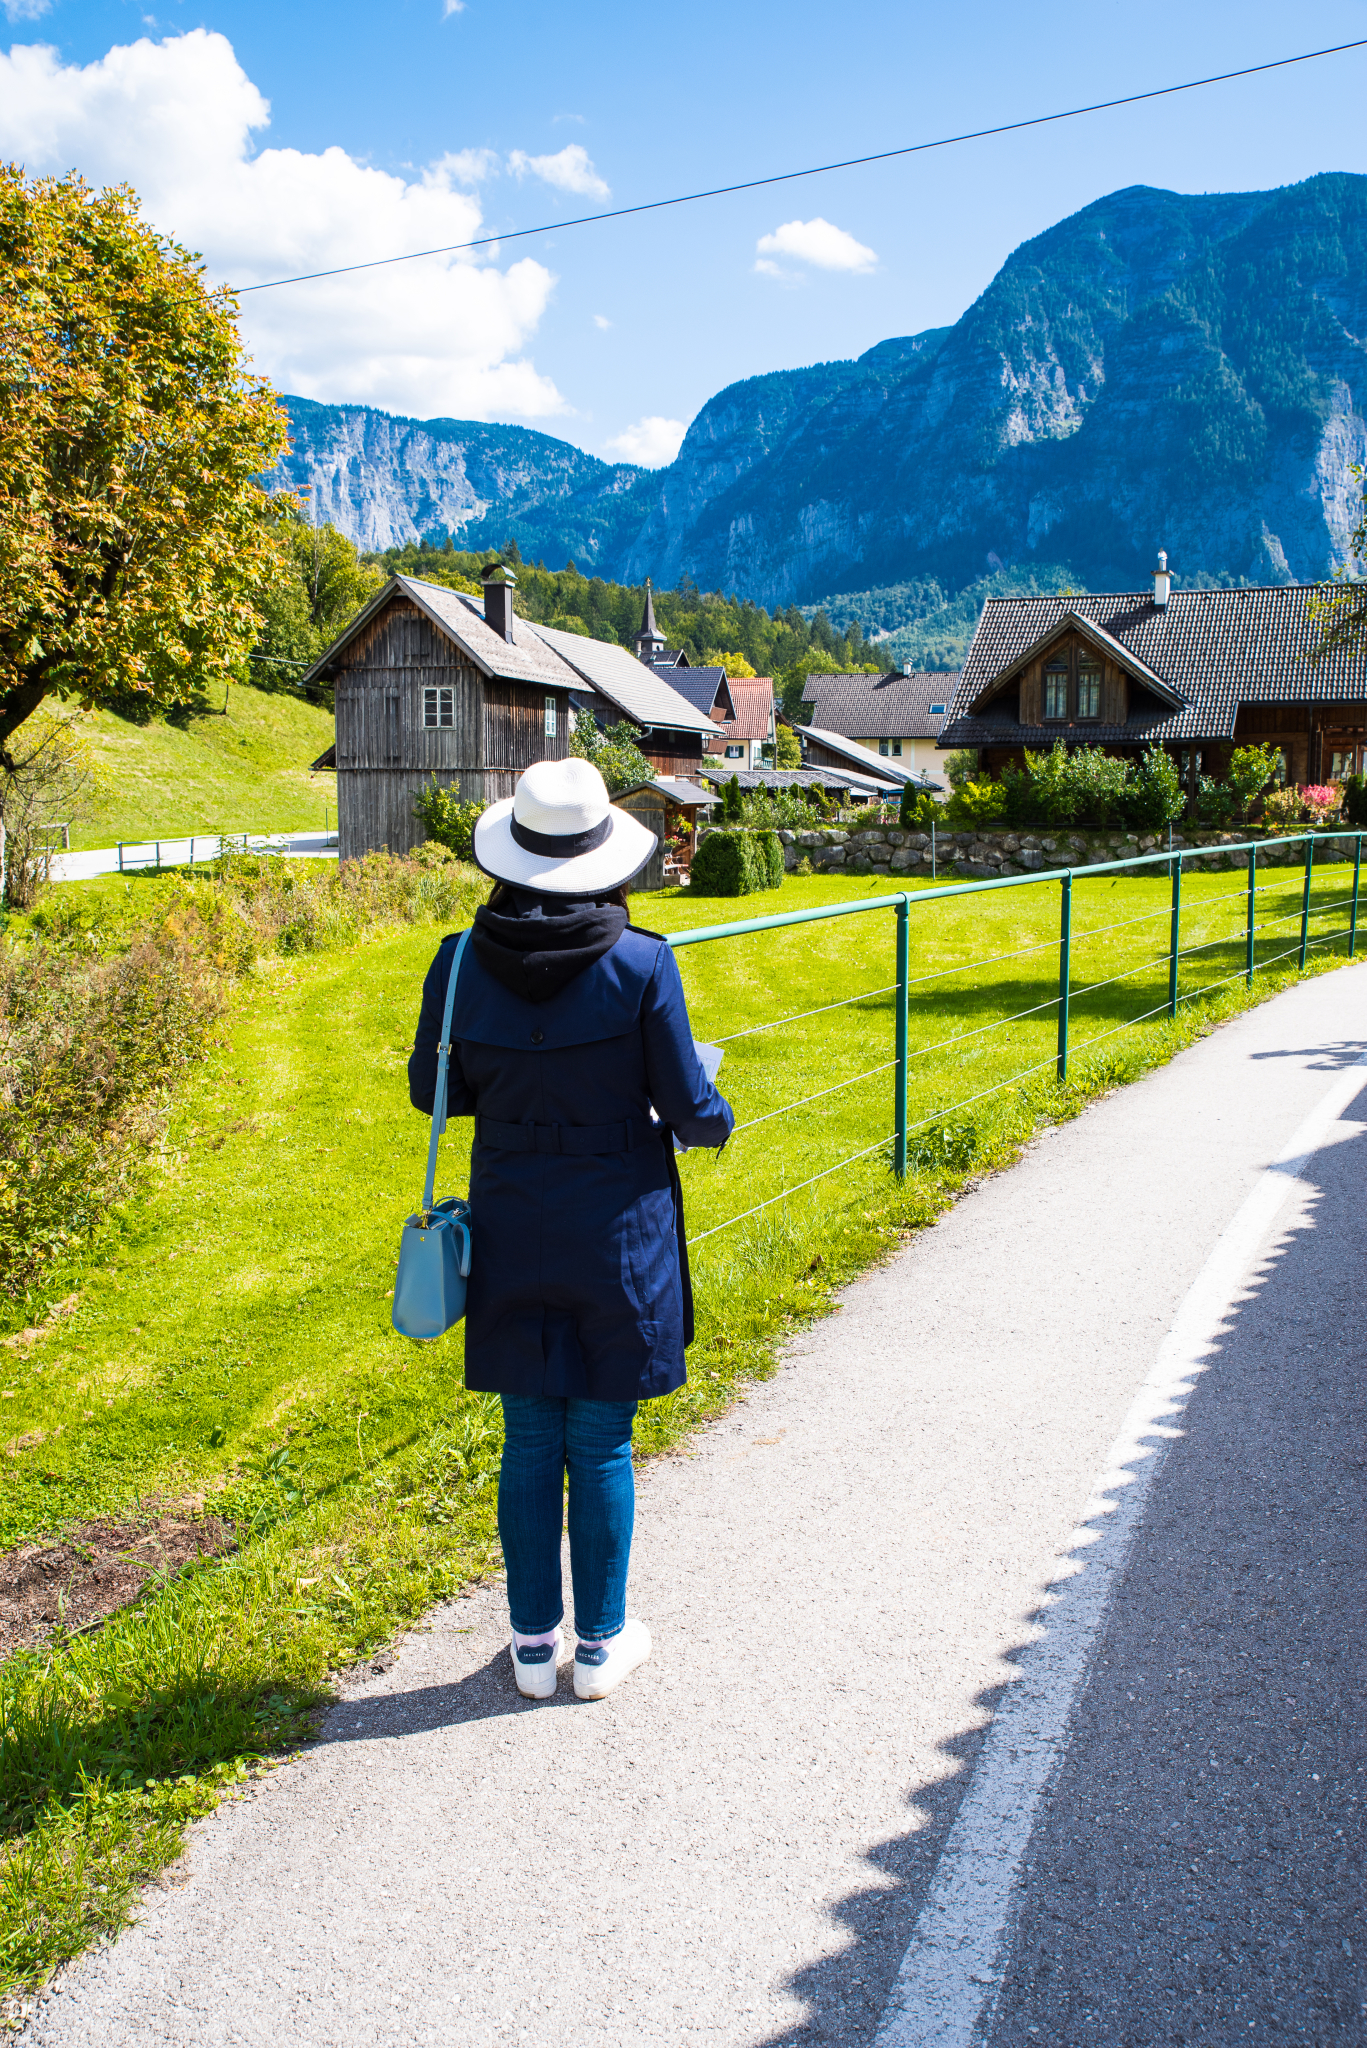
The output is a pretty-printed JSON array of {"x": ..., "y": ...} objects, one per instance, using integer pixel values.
[{"x": 443, "y": 1067}]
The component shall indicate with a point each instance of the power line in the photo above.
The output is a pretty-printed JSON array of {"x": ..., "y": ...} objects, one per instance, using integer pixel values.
[{"x": 848, "y": 163}]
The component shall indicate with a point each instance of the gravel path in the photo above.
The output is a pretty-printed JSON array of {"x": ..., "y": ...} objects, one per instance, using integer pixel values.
[{"x": 840, "y": 1577}]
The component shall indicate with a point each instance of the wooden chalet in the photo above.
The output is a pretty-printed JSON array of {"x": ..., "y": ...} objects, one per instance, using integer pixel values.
[
  {"x": 1197, "y": 672},
  {"x": 428, "y": 682}
]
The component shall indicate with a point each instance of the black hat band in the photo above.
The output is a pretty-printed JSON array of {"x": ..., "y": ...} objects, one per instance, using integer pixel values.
[{"x": 560, "y": 845}]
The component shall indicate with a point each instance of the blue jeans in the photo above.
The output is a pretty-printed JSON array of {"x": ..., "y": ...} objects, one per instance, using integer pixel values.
[{"x": 542, "y": 1438}]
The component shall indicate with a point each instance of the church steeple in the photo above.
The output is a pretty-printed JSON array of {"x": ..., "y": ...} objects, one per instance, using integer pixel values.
[{"x": 650, "y": 641}]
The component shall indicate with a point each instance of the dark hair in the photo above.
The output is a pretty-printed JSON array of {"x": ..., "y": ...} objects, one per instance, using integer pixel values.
[{"x": 502, "y": 897}]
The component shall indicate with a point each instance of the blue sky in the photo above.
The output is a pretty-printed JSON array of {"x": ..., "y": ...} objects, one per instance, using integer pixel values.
[{"x": 280, "y": 138}]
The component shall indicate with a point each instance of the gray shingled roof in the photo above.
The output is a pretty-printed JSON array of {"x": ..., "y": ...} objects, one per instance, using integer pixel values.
[
  {"x": 1217, "y": 649},
  {"x": 526, "y": 659},
  {"x": 887, "y": 707},
  {"x": 860, "y": 759},
  {"x": 642, "y": 693},
  {"x": 792, "y": 778},
  {"x": 701, "y": 686}
]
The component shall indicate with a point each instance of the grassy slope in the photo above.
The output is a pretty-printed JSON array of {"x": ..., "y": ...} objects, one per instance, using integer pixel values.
[
  {"x": 246, "y": 771},
  {"x": 231, "y": 1337}
]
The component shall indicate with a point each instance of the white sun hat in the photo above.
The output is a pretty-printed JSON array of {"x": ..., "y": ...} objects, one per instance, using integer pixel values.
[{"x": 558, "y": 833}]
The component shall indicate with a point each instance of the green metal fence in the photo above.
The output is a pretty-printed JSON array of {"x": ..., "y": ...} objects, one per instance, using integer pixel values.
[{"x": 902, "y": 903}]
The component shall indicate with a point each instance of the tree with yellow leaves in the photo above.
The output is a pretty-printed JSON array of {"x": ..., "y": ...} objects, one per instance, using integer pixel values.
[{"x": 135, "y": 540}]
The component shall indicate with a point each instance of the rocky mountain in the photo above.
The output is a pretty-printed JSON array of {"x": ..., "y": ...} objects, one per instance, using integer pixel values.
[
  {"x": 1159, "y": 370},
  {"x": 384, "y": 481}
]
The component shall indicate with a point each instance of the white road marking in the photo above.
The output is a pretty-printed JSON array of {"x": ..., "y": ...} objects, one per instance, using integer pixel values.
[{"x": 952, "y": 1971}]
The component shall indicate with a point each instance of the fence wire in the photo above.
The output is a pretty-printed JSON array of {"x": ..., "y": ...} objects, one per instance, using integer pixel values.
[{"x": 1300, "y": 908}]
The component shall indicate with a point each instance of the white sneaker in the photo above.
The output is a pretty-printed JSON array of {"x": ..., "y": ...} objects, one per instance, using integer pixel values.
[
  {"x": 596, "y": 1672},
  {"x": 534, "y": 1666}
]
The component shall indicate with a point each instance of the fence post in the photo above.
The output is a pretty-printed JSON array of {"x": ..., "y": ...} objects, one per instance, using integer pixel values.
[
  {"x": 1175, "y": 940},
  {"x": 899, "y": 1072},
  {"x": 1065, "y": 941},
  {"x": 1353, "y": 920},
  {"x": 158, "y": 856},
  {"x": 1305, "y": 899},
  {"x": 1252, "y": 893}
]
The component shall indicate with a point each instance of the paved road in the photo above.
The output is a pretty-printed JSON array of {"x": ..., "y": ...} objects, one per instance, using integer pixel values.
[
  {"x": 169, "y": 853},
  {"x": 848, "y": 1579}
]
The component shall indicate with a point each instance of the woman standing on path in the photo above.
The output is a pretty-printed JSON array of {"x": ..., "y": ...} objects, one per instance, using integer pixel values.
[{"x": 569, "y": 1026}]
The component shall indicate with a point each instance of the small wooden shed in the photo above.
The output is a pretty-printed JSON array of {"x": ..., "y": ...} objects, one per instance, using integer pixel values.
[
  {"x": 429, "y": 682},
  {"x": 660, "y": 805}
]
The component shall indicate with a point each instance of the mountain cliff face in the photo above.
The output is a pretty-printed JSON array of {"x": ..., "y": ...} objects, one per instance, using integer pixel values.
[
  {"x": 384, "y": 481},
  {"x": 1156, "y": 371}
]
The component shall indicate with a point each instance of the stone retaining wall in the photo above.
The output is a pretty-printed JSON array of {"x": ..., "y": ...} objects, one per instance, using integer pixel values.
[{"x": 979, "y": 856}]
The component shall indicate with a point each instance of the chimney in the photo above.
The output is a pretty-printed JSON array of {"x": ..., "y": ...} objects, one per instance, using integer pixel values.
[
  {"x": 1162, "y": 582},
  {"x": 499, "y": 585}
]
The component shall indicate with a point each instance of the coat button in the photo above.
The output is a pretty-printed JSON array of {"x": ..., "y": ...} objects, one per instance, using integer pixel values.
[{"x": 537, "y": 1037}]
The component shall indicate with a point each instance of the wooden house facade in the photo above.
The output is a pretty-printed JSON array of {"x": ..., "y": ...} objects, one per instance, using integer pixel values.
[
  {"x": 426, "y": 686},
  {"x": 1196, "y": 672}
]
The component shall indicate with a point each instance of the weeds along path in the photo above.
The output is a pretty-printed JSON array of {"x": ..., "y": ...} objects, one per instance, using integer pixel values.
[
  {"x": 224, "y": 1347},
  {"x": 838, "y": 1573}
]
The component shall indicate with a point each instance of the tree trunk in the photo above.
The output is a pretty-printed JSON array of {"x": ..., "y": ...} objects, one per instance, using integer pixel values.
[{"x": 15, "y": 706}]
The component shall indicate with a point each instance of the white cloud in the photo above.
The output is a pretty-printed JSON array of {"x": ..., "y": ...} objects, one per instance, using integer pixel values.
[
  {"x": 26, "y": 10},
  {"x": 450, "y": 7},
  {"x": 464, "y": 166},
  {"x": 176, "y": 120},
  {"x": 569, "y": 169},
  {"x": 812, "y": 241},
  {"x": 652, "y": 441},
  {"x": 601, "y": 320}
]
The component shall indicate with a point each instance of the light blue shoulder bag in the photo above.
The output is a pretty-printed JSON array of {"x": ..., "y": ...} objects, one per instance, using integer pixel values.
[{"x": 434, "y": 1250}]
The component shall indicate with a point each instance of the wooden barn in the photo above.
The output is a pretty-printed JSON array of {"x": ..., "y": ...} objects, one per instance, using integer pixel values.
[{"x": 429, "y": 682}]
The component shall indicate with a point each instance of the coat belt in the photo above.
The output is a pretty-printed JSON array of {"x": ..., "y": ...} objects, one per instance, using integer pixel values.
[{"x": 573, "y": 1141}]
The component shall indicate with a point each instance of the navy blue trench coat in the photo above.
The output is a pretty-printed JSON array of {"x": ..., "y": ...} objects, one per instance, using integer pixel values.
[{"x": 579, "y": 1276}]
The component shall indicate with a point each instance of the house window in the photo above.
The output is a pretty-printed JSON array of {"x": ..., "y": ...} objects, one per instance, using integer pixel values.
[
  {"x": 1341, "y": 765},
  {"x": 1089, "y": 689},
  {"x": 550, "y": 718},
  {"x": 887, "y": 747},
  {"x": 438, "y": 707},
  {"x": 735, "y": 753},
  {"x": 1056, "y": 690}
]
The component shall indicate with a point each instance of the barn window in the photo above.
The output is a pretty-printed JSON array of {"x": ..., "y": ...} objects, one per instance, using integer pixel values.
[
  {"x": 438, "y": 707},
  {"x": 550, "y": 718},
  {"x": 1056, "y": 690},
  {"x": 1089, "y": 689}
]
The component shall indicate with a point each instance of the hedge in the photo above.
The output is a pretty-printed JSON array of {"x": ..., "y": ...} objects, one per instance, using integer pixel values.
[{"x": 736, "y": 864}]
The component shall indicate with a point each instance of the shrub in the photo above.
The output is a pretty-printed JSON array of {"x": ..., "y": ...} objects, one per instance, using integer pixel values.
[
  {"x": 1250, "y": 771},
  {"x": 1283, "y": 808},
  {"x": 736, "y": 864},
  {"x": 1355, "y": 800},
  {"x": 918, "y": 810},
  {"x": 1215, "y": 802},
  {"x": 448, "y": 818},
  {"x": 977, "y": 803},
  {"x": 732, "y": 804},
  {"x": 1322, "y": 800},
  {"x": 1153, "y": 793},
  {"x": 961, "y": 767}
]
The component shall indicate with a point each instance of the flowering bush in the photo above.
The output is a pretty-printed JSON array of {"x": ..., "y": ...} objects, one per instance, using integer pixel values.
[
  {"x": 1283, "y": 808},
  {"x": 1322, "y": 800}
]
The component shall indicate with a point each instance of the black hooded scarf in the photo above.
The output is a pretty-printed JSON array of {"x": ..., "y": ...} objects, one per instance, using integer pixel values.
[{"x": 535, "y": 945}]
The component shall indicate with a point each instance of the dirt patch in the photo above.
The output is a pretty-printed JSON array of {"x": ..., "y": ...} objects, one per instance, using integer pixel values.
[{"x": 98, "y": 1568}]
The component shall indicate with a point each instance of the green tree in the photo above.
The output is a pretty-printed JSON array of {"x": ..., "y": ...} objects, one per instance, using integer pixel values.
[
  {"x": 787, "y": 747},
  {"x": 960, "y": 768},
  {"x": 135, "y": 542},
  {"x": 732, "y": 804},
  {"x": 614, "y": 753},
  {"x": 1250, "y": 771},
  {"x": 319, "y": 584}
]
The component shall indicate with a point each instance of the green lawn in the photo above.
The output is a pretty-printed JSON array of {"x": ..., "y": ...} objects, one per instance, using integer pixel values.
[
  {"x": 246, "y": 771},
  {"x": 228, "y": 1341}
]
